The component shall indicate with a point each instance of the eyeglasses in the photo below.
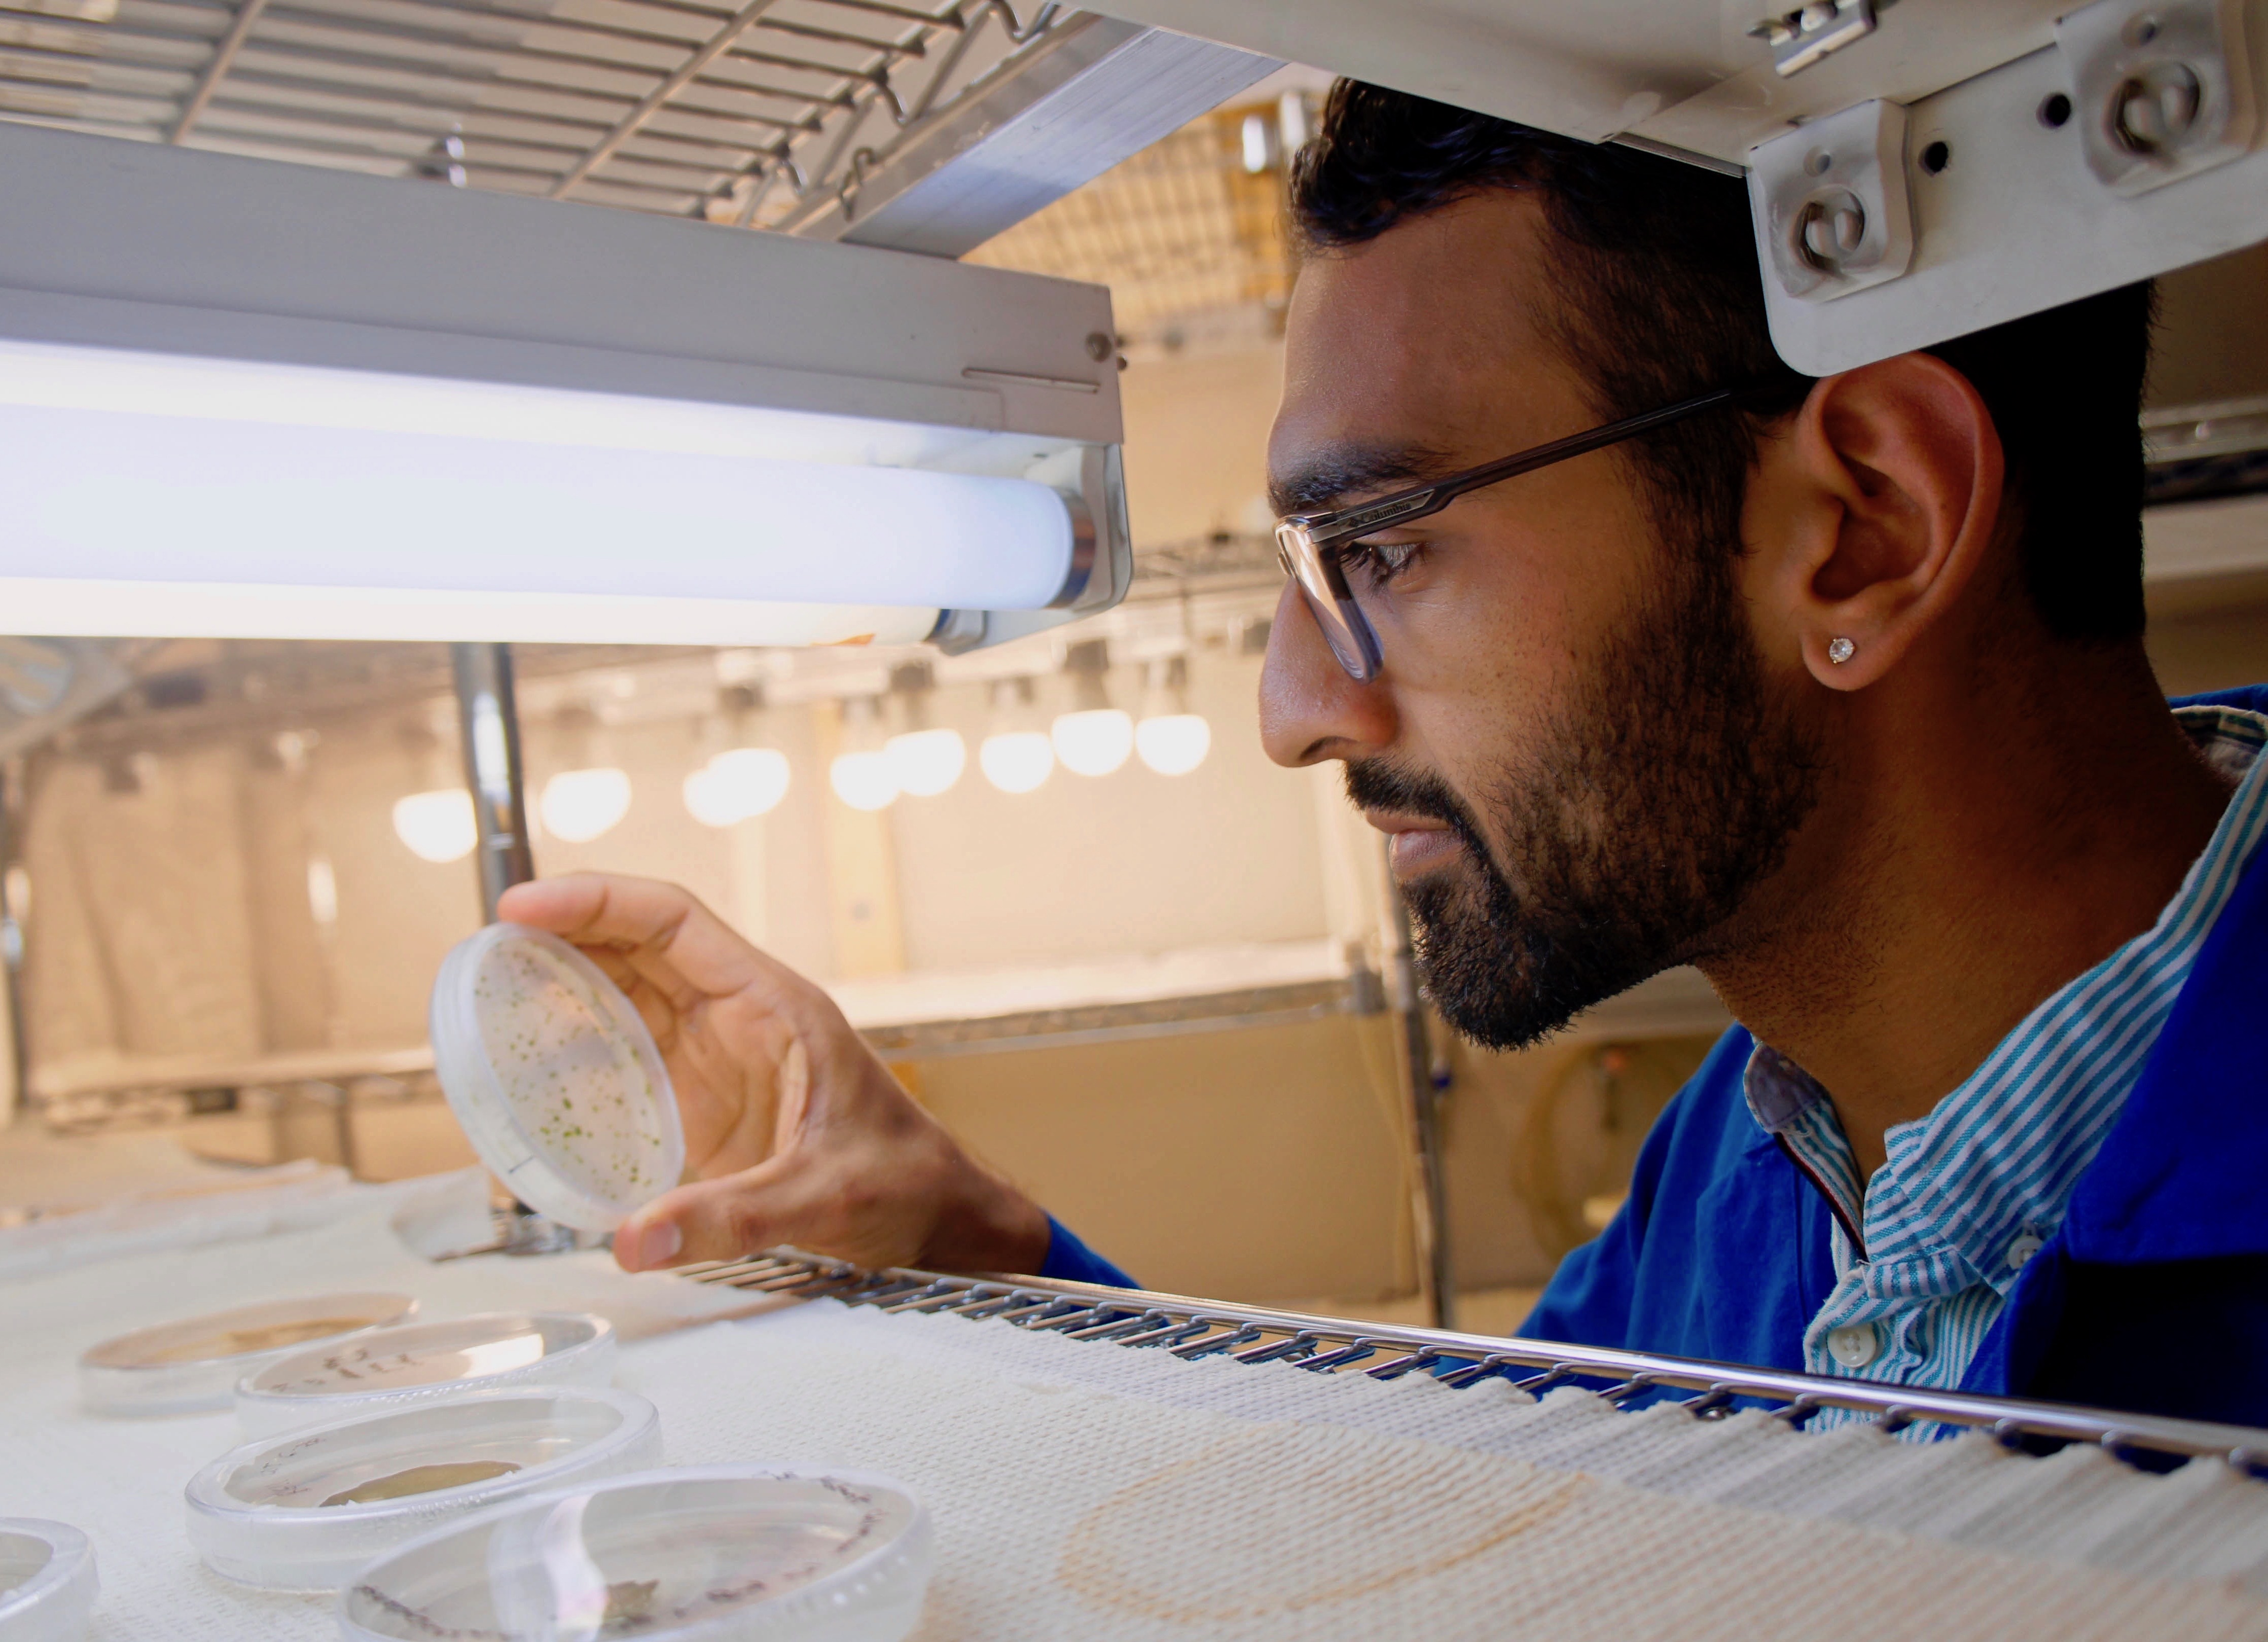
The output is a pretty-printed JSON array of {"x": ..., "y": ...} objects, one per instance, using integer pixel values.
[{"x": 1310, "y": 544}]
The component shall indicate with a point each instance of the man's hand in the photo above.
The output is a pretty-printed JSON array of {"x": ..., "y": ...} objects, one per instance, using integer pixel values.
[{"x": 796, "y": 1132}]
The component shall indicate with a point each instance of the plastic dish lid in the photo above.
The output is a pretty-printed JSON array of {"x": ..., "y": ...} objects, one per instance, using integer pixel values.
[
  {"x": 47, "y": 1582},
  {"x": 554, "y": 1078},
  {"x": 377, "y": 1372},
  {"x": 717, "y": 1553},
  {"x": 304, "y": 1511},
  {"x": 182, "y": 1368}
]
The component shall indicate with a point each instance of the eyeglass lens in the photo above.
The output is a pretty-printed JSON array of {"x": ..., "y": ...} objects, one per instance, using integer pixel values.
[{"x": 1344, "y": 626}]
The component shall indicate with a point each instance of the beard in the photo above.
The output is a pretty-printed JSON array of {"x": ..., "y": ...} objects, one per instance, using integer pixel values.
[{"x": 1669, "y": 786}]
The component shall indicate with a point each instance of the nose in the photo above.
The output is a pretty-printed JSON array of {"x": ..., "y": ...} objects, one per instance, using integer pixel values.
[{"x": 1310, "y": 710}]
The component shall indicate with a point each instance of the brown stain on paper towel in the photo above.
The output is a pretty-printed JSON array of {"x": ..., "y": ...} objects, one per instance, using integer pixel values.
[{"x": 1283, "y": 1532}]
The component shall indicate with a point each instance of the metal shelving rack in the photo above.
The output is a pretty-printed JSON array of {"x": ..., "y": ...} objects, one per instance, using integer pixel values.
[
  {"x": 1189, "y": 1328},
  {"x": 679, "y": 107}
]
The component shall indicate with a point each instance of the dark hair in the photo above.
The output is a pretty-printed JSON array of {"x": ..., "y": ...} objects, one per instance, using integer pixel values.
[{"x": 1662, "y": 298}]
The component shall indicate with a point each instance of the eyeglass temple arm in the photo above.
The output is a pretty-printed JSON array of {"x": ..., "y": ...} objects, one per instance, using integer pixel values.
[{"x": 1434, "y": 497}]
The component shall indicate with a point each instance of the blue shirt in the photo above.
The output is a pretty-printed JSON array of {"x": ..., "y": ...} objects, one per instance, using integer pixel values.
[
  {"x": 1927, "y": 1252},
  {"x": 2150, "y": 1295}
]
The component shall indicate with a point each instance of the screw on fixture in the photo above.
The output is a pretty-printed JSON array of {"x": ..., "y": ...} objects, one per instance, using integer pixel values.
[
  {"x": 2155, "y": 108},
  {"x": 1830, "y": 229}
]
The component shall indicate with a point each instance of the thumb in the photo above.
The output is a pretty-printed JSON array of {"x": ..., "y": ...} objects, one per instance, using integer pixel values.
[{"x": 716, "y": 1219}]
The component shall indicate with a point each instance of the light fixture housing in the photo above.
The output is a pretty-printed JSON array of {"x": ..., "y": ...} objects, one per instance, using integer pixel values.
[{"x": 245, "y": 398}]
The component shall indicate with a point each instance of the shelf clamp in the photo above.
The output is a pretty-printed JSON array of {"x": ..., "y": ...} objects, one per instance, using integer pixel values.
[
  {"x": 1801, "y": 38},
  {"x": 1833, "y": 208},
  {"x": 2162, "y": 91}
]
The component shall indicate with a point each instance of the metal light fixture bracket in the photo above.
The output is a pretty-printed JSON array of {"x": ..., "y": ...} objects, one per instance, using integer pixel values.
[
  {"x": 2162, "y": 91},
  {"x": 1833, "y": 209},
  {"x": 1801, "y": 37}
]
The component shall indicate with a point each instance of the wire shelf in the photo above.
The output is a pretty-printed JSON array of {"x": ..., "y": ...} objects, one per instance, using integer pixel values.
[
  {"x": 676, "y": 107},
  {"x": 1190, "y": 1328}
]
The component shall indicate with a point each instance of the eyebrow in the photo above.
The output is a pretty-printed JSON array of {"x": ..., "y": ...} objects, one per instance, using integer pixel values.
[{"x": 1337, "y": 473}]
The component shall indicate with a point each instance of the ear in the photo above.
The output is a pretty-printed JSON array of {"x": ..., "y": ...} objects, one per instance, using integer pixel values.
[{"x": 1882, "y": 498}]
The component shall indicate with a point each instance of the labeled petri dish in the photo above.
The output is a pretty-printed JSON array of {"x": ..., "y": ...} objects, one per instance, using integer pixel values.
[
  {"x": 554, "y": 1078},
  {"x": 48, "y": 1584},
  {"x": 392, "y": 1368},
  {"x": 717, "y": 1553},
  {"x": 304, "y": 1511},
  {"x": 183, "y": 1367}
]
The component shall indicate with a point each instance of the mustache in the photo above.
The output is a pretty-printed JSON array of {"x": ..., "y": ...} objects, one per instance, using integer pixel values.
[{"x": 1372, "y": 783}]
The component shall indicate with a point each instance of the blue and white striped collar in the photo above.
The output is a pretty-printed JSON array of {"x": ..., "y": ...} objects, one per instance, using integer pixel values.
[{"x": 1989, "y": 1172}]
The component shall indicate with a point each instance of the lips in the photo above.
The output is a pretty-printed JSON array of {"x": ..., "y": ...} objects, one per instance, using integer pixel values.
[{"x": 1414, "y": 843}]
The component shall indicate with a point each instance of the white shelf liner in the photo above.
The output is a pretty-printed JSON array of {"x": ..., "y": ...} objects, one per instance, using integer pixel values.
[{"x": 1081, "y": 1490}]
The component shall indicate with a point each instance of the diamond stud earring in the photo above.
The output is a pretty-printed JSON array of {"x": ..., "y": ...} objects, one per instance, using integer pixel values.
[{"x": 1840, "y": 649}]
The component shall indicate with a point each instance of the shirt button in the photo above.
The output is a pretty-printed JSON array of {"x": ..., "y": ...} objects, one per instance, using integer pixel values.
[
  {"x": 1853, "y": 1345},
  {"x": 2022, "y": 1250}
]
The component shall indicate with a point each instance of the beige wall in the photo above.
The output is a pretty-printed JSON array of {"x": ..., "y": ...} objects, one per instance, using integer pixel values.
[{"x": 1197, "y": 442}]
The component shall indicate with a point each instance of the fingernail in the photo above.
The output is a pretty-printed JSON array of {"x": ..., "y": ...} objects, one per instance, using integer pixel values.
[{"x": 653, "y": 1243}]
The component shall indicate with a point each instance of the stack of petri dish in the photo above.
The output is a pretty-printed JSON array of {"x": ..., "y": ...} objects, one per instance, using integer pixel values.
[
  {"x": 392, "y": 1368},
  {"x": 303, "y": 1511},
  {"x": 712, "y": 1553},
  {"x": 48, "y": 1583},
  {"x": 187, "y": 1366}
]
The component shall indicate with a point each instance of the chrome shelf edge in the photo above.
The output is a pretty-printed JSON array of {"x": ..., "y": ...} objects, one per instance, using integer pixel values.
[{"x": 1192, "y": 1327}]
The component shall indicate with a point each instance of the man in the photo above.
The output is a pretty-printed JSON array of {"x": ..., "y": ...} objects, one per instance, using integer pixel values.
[{"x": 1834, "y": 689}]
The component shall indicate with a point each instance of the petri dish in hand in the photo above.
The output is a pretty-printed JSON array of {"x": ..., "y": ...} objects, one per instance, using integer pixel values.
[
  {"x": 717, "y": 1553},
  {"x": 554, "y": 1078},
  {"x": 304, "y": 1510}
]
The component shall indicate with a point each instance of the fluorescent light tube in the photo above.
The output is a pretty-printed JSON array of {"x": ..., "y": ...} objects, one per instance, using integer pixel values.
[
  {"x": 246, "y": 400},
  {"x": 160, "y": 496}
]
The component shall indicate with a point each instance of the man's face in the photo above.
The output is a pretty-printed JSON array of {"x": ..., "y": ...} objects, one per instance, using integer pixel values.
[{"x": 1581, "y": 762}]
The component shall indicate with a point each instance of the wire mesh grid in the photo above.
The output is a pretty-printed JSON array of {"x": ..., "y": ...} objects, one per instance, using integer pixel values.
[
  {"x": 678, "y": 107},
  {"x": 1185, "y": 227}
]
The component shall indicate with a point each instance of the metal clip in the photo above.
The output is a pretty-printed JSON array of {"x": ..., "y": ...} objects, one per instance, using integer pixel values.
[
  {"x": 2163, "y": 91},
  {"x": 1832, "y": 203},
  {"x": 1354, "y": 1352},
  {"x": 1628, "y": 1388},
  {"x": 1300, "y": 1342},
  {"x": 1802, "y": 38},
  {"x": 1193, "y": 1348}
]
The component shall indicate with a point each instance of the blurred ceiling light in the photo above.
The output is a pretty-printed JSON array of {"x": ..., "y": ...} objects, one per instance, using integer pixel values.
[
  {"x": 737, "y": 785},
  {"x": 925, "y": 760},
  {"x": 580, "y": 805},
  {"x": 1093, "y": 742},
  {"x": 437, "y": 826},
  {"x": 862, "y": 775},
  {"x": 1017, "y": 756},
  {"x": 1172, "y": 739},
  {"x": 1094, "y": 737},
  {"x": 926, "y": 763}
]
